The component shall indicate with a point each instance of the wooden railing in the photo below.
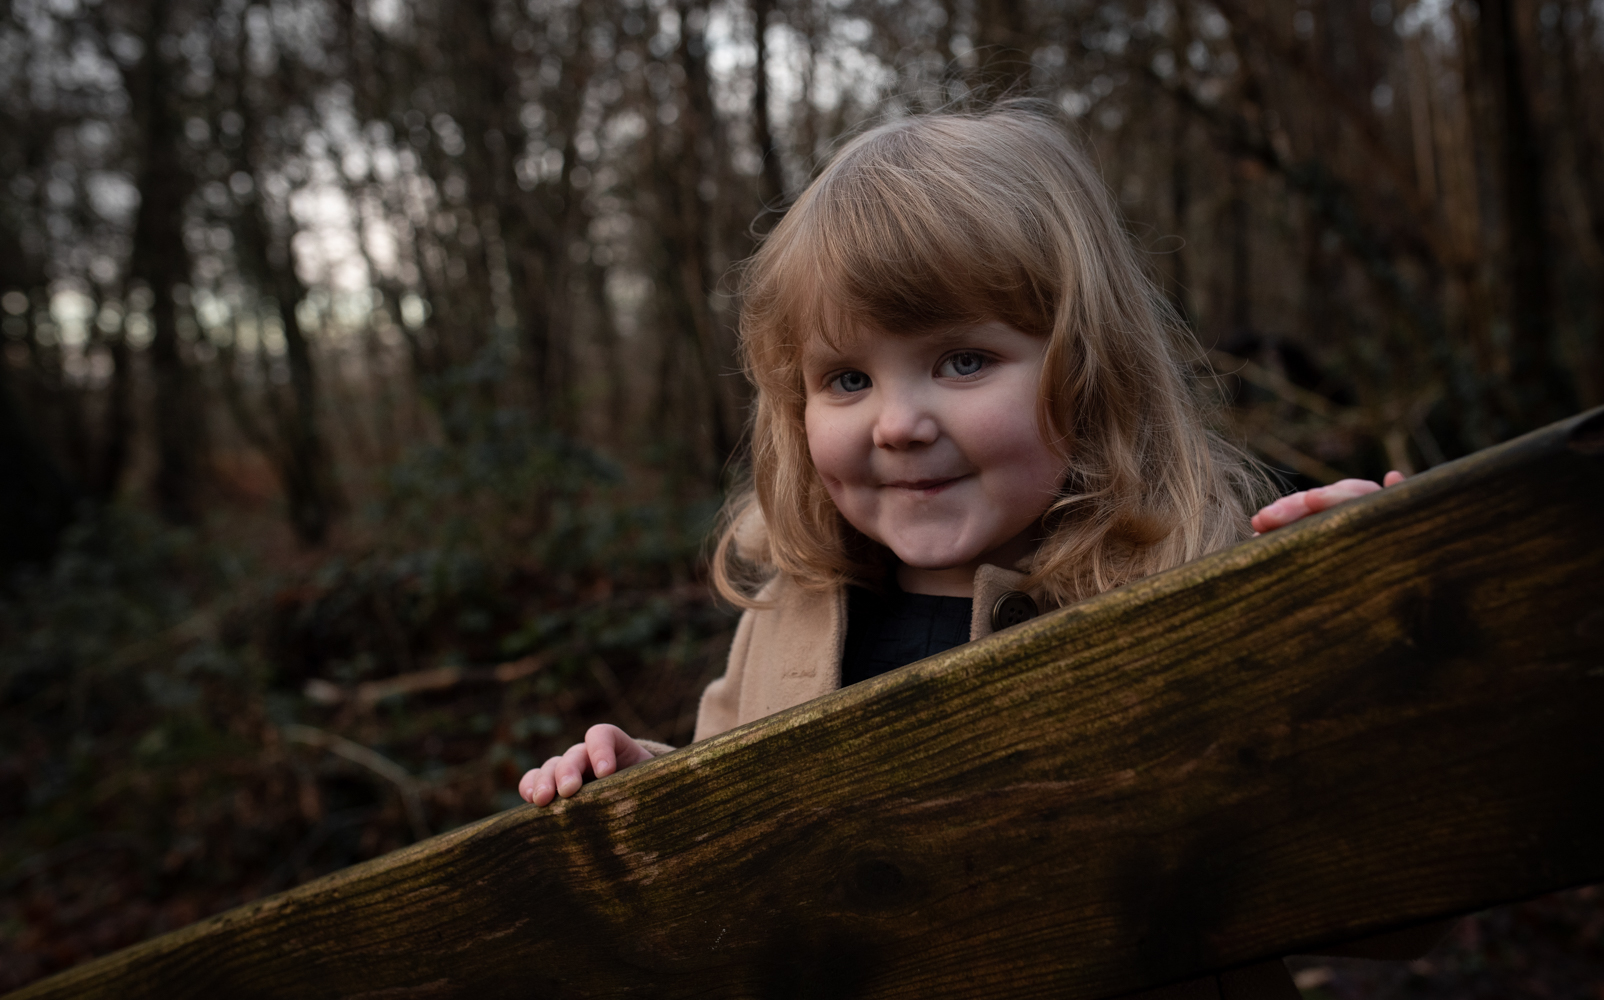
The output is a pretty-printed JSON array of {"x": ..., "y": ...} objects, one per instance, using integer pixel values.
[{"x": 1389, "y": 713}]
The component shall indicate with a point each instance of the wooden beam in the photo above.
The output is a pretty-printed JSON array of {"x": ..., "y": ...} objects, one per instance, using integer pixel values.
[{"x": 1385, "y": 714}]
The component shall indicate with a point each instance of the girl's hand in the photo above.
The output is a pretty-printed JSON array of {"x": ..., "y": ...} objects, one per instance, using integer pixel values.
[
  {"x": 606, "y": 749},
  {"x": 1299, "y": 505}
]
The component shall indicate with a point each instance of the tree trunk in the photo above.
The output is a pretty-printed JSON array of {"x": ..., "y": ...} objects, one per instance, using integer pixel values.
[
  {"x": 691, "y": 269},
  {"x": 297, "y": 447},
  {"x": 1539, "y": 390},
  {"x": 110, "y": 457},
  {"x": 538, "y": 227},
  {"x": 1589, "y": 153},
  {"x": 161, "y": 261},
  {"x": 771, "y": 180},
  {"x": 36, "y": 503}
]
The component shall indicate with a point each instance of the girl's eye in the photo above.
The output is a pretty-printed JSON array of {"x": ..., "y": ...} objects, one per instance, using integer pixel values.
[
  {"x": 963, "y": 363},
  {"x": 850, "y": 382}
]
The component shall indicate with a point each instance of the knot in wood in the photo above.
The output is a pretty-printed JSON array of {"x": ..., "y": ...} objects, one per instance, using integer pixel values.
[{"x": 878, "y": 880}]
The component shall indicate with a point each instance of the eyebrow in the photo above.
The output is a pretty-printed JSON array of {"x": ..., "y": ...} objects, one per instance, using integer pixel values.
[
  {"x": 953, "y": 334},
  {"x": 820, "y": 356},
  {"x": 822, "y": 352}
]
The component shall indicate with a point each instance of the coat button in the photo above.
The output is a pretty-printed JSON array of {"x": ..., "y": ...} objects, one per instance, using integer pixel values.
[{"x": 1012, "y": 608}]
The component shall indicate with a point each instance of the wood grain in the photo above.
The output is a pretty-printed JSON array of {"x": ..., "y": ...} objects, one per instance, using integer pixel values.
[{"x": 1385, "y": 714}]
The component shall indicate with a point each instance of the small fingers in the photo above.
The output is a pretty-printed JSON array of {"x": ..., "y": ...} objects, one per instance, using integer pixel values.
[
  {"x": 1327, "y": 497},
  {"x": 602, "y": 745},
  {"x": 539, "y": 785},
  {"x": 563, "y": 776},
  {"x": 605, "y": 750},
  {"x": 1284, "y": 511},
  {"x": 612, "y": 749},
  {"x": 1297, "y": 506},
  {"x": 571, "y": 769}
]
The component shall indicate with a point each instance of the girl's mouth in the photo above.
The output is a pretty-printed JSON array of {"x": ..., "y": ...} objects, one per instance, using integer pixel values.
[{"x": 928, "y": 487}]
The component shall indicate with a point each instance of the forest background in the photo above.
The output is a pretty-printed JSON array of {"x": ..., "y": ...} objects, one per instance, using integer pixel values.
[{"x": 368, "y": 382}]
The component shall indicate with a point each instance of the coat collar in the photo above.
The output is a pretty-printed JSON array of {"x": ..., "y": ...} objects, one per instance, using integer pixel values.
[{"x": 991, "y": 583}]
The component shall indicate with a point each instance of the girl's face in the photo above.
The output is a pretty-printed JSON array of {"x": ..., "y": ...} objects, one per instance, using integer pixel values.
[{"x": 929, "y": 445}]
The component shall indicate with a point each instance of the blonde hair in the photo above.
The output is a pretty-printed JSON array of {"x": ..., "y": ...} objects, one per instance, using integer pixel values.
[{"x": 951, "y": 218}]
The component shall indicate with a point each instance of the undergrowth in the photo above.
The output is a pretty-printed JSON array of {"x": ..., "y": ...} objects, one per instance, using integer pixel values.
[{"x": 177, "y": 714}]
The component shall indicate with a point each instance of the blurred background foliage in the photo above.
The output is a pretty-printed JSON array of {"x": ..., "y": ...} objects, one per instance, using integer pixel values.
[{"x": 368, "y": 390}]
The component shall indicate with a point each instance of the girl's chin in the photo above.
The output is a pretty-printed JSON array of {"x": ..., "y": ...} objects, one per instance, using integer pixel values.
[
  {"x": 932, "y": 559},
  {"x": 935, "y": 544}
]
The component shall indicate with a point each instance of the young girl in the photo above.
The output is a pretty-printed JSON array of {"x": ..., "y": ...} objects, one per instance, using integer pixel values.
[{"x": 971, "y": 405}]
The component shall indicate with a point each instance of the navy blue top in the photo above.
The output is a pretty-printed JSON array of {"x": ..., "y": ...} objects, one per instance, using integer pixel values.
[{"x": 890, "y": 630}]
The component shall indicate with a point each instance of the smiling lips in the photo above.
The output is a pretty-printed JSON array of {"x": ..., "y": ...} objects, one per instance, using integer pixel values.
[{"x": 925, "y": 486}]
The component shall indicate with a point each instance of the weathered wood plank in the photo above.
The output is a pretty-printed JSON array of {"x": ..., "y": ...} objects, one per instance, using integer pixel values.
[{"x": 1386, "y": 714}]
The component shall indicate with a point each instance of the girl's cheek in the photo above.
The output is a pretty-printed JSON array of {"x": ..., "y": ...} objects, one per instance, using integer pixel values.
[
  {"x": 1006, "y": 426},
  {"x": 829, "y": 445}
]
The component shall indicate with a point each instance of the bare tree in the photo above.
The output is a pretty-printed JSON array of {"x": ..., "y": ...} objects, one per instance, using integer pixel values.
[{"x": 161, "y": 261}]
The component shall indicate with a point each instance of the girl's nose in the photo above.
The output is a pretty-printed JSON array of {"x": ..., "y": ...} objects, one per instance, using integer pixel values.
[{"x": 903, "y": 423}]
